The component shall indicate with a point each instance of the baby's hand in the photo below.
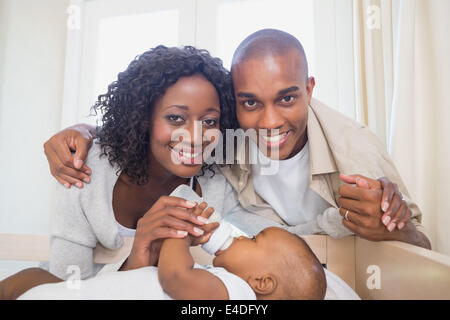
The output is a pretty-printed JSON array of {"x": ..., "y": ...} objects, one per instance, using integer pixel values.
[{"x": 203, "y": 211}]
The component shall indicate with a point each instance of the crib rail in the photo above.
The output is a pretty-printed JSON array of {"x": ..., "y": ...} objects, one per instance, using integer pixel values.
[
  {"x": 27, "y": 247},
  {"x": 405, "y": 271}
]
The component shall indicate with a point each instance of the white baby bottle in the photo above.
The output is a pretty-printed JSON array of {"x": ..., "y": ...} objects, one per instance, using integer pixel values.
[{"x": 223, "y": 236}]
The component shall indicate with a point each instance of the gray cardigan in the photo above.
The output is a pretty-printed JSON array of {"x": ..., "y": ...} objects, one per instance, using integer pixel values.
[{"x": 85, "y": 217}]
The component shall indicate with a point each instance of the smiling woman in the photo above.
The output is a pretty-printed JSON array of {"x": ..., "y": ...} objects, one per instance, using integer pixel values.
[
  {"x": 171, "y": 103},
  {"x": 183, "y": 116},
  {"x": 161, "y": 91}
]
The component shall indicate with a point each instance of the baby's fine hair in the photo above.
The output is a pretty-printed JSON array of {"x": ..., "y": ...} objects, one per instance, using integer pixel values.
[{"x": 302, "y": 275}]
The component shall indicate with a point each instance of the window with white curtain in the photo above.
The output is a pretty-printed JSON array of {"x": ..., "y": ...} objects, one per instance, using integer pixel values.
[
  {"x": 235, "y": 20},
  {"x": 113, "y": 32}
]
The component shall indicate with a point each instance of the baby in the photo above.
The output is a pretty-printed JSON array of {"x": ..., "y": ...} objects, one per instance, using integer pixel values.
[{"x": 275, "y": 264}]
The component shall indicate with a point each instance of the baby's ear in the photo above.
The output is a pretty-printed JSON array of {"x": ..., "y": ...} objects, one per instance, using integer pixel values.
[{"x": 263, "y": 285}]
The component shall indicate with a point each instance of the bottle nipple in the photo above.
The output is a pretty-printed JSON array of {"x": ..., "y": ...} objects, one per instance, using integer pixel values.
[{"x": 227, "y": 243}]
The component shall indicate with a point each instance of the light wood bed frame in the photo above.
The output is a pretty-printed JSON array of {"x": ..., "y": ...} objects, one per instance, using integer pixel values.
[{"x": 405, "y": 271}]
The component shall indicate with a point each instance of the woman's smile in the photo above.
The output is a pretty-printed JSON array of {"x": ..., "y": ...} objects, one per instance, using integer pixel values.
[{"x": 187, "y": 155}]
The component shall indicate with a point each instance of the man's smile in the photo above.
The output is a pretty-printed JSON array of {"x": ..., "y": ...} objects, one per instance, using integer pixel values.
[{"x": 276, "y": 140}]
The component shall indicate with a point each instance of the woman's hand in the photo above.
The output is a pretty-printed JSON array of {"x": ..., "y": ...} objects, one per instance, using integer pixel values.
[
  {"x": 366, "y": 206},
  {"x": 205, "y": 212},
  {"x": 70, "y": 169},
  {"x": 363, "y": 207},
  {"x": 395, "y": 211},
  {"x": 169, "y": 217}
]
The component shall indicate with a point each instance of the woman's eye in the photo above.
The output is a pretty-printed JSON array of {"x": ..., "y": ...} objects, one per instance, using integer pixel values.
[
  {"x": 175, "y": 118},
  {"x": 210, "y": 122}
]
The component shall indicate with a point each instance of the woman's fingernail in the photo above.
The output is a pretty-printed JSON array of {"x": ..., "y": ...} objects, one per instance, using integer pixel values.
[
  {"x": 197, "y": 230},
  {"x": 191, "y": 204},
  {"x": 78, "y": 163},
  {"x": 79, "y": 185},
  {"x": 182, "y": 233},
  {"x": 401, "y": 225},
  {"x": 202, "y": 219},
  {"x": 386, "y": 220},
  {"x": 391, "y": 227},
  {"x": 385, "y": 206},
  {"x": 67, "y": 185},
  {"x": 87, "y": 180}
]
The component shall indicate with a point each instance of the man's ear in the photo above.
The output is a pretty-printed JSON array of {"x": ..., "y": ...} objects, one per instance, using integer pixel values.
[
  {"x": 311, "y": 82},
  {"x": 264, "y": 284}
]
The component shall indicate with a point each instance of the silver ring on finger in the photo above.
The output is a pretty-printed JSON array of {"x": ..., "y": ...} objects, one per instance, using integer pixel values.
[{"x": 346, "y": 215}]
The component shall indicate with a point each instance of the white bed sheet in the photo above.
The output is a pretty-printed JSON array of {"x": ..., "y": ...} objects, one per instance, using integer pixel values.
[{"x": 129, "y": 285}]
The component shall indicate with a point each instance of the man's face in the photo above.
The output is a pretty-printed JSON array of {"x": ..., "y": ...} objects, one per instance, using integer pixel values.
[{"x": 272, "y": 93}]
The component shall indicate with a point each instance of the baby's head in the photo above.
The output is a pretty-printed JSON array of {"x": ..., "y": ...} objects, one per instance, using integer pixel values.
[{"x": 276, "y": 264}]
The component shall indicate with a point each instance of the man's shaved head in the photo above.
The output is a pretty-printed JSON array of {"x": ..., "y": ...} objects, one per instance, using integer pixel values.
[{"x": 269, "y": 42}]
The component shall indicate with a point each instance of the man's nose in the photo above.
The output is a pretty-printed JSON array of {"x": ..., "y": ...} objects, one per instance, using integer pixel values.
[{"x": 270, "y": 118}]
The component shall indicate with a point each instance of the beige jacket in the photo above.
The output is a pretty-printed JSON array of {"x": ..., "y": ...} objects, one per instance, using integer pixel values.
[{"x": 337, "y": 144}]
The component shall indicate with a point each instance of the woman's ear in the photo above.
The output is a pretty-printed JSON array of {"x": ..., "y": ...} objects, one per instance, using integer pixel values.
[{"x": 263, "y": 285}]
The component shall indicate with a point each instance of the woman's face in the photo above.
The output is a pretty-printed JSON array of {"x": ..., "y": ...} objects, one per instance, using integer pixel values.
[{"x": 179, "y": 121}]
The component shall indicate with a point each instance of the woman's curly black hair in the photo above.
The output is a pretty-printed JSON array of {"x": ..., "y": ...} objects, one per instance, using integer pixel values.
[{"x": 128, "y": 105}]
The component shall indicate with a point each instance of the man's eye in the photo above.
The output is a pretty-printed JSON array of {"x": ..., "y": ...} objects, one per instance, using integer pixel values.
[
  {"x": 288, "y": 99},
  {"x": 250, "y": 103}
]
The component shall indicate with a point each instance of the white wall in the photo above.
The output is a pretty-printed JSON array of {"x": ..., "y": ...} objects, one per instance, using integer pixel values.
[{"x": 32, "y": 51}]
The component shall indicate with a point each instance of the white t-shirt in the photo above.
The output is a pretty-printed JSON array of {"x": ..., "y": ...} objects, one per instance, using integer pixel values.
[
  {"x": 137, "y": 284},
  {"x": 284, "y": 184}
]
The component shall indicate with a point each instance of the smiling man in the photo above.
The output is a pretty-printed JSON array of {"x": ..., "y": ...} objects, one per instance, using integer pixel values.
[{"x": 315, "y": 145}]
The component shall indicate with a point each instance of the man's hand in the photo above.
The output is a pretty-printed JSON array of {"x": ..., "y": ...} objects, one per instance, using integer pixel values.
[
  {"x": 365, "y": 206},
  {"x": 361, "y": 209},
  {"x": 70, "y": 169},
  {"x": 395, "y": 211}
]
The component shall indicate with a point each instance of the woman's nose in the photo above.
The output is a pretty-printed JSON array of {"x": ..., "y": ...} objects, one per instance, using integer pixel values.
[{"x": 195, "y": 131}]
